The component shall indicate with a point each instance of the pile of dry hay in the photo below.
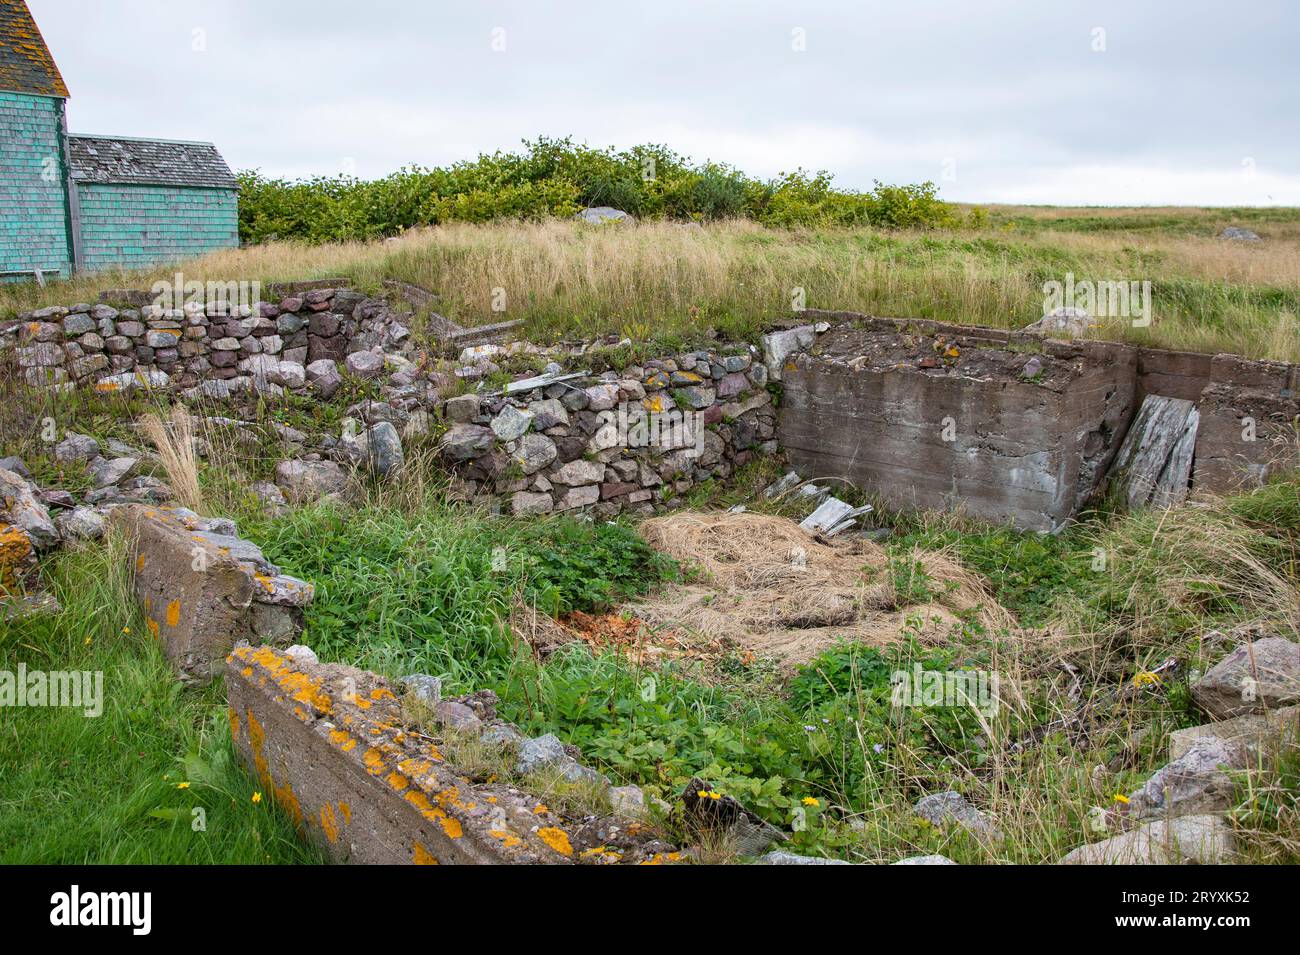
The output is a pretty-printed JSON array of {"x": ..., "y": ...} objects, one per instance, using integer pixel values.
[{"x": 769, "y": 588}]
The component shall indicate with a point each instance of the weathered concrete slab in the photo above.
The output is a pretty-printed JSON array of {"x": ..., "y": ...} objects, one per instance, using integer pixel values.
[
  {"x": 202, "y": 591},
  {"x": 933, "y": 419},
  {"x": 332, "y": 744}
]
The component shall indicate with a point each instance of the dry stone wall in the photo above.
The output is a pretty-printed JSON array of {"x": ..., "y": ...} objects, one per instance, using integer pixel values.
[
  {"x": 215, "y": 350},
  {"x": 629, "y": 439}
]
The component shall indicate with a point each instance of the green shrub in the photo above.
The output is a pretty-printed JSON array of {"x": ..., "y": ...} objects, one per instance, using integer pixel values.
[{"x": 556, "y": 177}]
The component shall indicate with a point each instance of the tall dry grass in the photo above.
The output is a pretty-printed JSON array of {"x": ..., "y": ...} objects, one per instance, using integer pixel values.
[
  {"x": 571, "y": 280},
  {"x": 174, "y": 441}
]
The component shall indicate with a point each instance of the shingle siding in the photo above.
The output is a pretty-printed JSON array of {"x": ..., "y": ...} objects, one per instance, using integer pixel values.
[
  {"x": 33, "y": 212},
  {"x": 134, "y": 226}
]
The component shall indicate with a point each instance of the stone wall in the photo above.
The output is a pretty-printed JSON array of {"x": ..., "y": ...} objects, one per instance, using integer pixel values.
[
  {"x": 213, "y": 351},
  {"x": 627, "y": 439}
]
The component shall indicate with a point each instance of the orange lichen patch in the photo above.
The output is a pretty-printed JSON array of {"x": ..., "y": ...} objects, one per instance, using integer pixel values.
[
  {"x": 422, "y": 856},
  {"x": 107, "y": 386},
  {"x": 288, "y": 799},
  {"x": 257, "y": 741},
  {"x": 374, "y": 761},
  {"x": 346, "y": 811},
  {"x": 329, "y": 823},
  {"x": 435, "y": 753},
  {"x": 398, "y": 781},
  {"x": 603, "y": 855},
  {"x": 173, "y": 613},
  {"x": 152, "y": 624},
  {"x": 382, "y": 693},
  {"x": 541, "y": 809},
  {"x": 234, "y": 722},
  {"x": 266, "y": 582},
  {"x": 414, "y": 767},
  {"x": 139, "y": 563},
  {"x": 343, "y": 740},
  {"x": 508, "y": 840},
  {"x": 451, "y": 827},
  {"x": 492, "y": 799},
  {"x": 557, "y": 839},
  {"x": 663, "y": 858}
]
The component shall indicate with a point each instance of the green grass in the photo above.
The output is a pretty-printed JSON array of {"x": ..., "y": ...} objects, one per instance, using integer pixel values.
[{"x": 108, "y": 789}]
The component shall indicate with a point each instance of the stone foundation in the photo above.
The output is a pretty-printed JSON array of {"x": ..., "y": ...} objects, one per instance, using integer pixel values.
[
  {"x": 202, "y": 588},
  {"x": 332, "y": 745}
]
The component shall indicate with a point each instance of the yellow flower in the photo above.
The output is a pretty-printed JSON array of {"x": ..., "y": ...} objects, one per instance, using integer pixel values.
[
  {"x": 811, "y": 801},
  {"x": 257, "y": 797},
  {"x": 88, "y": 640},
  {"x": 126, "y": 629},
  {"x": 1146, "y": 678},
  {"x": 182, "y": 785},
  {"x": 1120, "y": 797},
  {"x": 708, "y": 794}
]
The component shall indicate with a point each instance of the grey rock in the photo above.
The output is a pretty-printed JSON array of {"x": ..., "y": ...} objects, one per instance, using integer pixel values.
[
  {"x": 20, "y": 506},
  {"x": 107, "y": 472},
  {"x": 380, "y": 449},
  {"x": 925, "y": 860},
  {"x": 427, "y": 689},
  {"x": 579, "y": 471},
  {"x": 1238, "y": 234},
  {"x": 76, "y": 447},
  {"x": 547, "y": 752},
  {"x": 1260, "y": 733},
  {"x": 947, "y": 808},
  {"x": 1067, "y": 320},
  {"x": 80, "y": 523},
  {"x": 304, "y": 481},
  {"x": 535, "y": 452},
  {"x": 461, "y": 409},
  {"x": 1198, "y": 840},
  {"x": 16, "y": 465},
  {"x": 465, "y": 441},
  {"x": 365, "y": 364},
  {"x": 778, "y": 346},
  {"x": 1198, "y": 781},
  {"x": 1264, "y": 675},
  {"x": 511, "y": 423},
  {"x": 601, "y": 215},
  {"x": 530, "y": 502},
  {"x": 780, "y": 857}
]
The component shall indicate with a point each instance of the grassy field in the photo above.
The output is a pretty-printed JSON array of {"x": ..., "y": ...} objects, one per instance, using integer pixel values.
[{"x": 669, "y": 281}]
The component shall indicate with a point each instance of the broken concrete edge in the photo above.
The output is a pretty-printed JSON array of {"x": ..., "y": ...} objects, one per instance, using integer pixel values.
[
  {"x": 201, "y": 589},
  {"x": 331, "y": 744}
]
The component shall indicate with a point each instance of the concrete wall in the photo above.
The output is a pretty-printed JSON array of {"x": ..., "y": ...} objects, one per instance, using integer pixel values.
[
  {"x": 33, "y": 210},
  {"x": 134, "y": 226},
  {"x": 1033, "y": 423},
  {"x": 1008, "y": 436}
]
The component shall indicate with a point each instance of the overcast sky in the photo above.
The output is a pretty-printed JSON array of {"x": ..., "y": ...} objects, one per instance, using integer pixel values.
[{"x": 1138, "y": 102}]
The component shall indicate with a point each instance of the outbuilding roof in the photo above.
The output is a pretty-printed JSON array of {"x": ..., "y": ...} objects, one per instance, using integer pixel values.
[{"x": 165, "y": 162}]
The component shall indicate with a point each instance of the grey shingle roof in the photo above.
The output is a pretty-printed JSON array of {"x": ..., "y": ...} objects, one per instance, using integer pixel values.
[
  {"x": 121, "y": 159},
  {"x": 25, "y": 62}
]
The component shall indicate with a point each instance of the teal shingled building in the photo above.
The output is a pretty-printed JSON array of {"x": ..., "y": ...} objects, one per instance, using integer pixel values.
[{"x": 71, "y": 203}]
